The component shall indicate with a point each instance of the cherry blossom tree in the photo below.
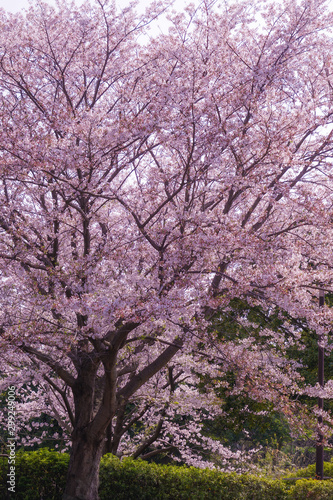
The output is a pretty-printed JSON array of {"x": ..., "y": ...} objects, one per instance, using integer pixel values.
[{"x": 145, "y": 185}]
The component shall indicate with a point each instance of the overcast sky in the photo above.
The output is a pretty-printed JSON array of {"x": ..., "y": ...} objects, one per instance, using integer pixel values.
[
  {"x": 160, "y": 25},
  {"x": 16, "y": 5},
  {"x": 13, "y": 5}
]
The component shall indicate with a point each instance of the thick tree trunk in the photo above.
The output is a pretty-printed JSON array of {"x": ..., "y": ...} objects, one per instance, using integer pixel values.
[
  {"x": 90, "y": 427},
  {"x": 83, "y": 472}
]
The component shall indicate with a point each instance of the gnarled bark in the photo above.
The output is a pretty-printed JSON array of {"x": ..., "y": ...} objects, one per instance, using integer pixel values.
[{"x": 83, "y": 473}]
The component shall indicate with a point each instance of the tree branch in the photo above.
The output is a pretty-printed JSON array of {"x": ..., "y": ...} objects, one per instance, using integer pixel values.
[
  {"x": 141, "y": 378},
  {"x": 60, "y": 371}
]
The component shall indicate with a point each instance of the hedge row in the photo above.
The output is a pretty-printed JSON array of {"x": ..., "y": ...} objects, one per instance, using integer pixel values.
[
  {"x": 131, "y": 480},
  {"x": 41, "y": 475}
]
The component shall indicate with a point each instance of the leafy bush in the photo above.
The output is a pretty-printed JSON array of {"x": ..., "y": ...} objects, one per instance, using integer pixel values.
[
  {"x": 309, "y": 472},
  {"x": 311, "y": 489},
  {"x": 138, "y": 480},
  {"x": 45, "y": 472},
  {"x": 41, "y": 475}
]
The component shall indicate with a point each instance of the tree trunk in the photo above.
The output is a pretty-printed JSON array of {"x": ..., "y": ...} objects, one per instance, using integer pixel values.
[{"x": 83, "y": 471}]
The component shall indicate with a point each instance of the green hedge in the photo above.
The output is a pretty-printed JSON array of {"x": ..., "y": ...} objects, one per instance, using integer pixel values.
[
  {"x": 310, "y": 489},
  {"x": 41, "y": 475},
  {"x": 310, "y": 471},
  {"x": 138, "y": 480}
]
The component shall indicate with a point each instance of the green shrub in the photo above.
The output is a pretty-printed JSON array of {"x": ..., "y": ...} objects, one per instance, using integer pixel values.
[
  {"x": 41, "y": 475},
  {"x": 138, "y": 480},
  {"x": 309, "y": 472},
  {"x": 311, "y": 489}
]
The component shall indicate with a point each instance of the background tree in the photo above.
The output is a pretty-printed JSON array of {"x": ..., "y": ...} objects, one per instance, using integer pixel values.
[
  {"x": 249, "y": 421},
  {"x": 142, "y": 187}
]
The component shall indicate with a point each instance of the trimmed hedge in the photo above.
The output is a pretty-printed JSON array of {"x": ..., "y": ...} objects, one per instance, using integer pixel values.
[
  {"x": 310, "y": 471},
  {"x": 138, "y": 480},
  {"x": 41, "y": 475},
  {"x": 310, "y": 489}
]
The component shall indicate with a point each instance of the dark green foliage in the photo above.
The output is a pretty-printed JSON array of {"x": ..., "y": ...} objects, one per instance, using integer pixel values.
[
  {"x": 309, "y": 488},
  {"x": 310, "y": 471},
  {"x": 41, "y": 475},
  {"x": 138, "y": 480},
  {"x": 312, "y": 490},
  {"x": 248, "y": 422},
  {"x": 249, "y": 429}
]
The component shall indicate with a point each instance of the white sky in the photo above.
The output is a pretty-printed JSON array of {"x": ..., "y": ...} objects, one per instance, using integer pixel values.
[
  {"x": 13, "y": 5},
  {"x": 17, "y": 5},
  {"x": 160, "y": 25}
]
